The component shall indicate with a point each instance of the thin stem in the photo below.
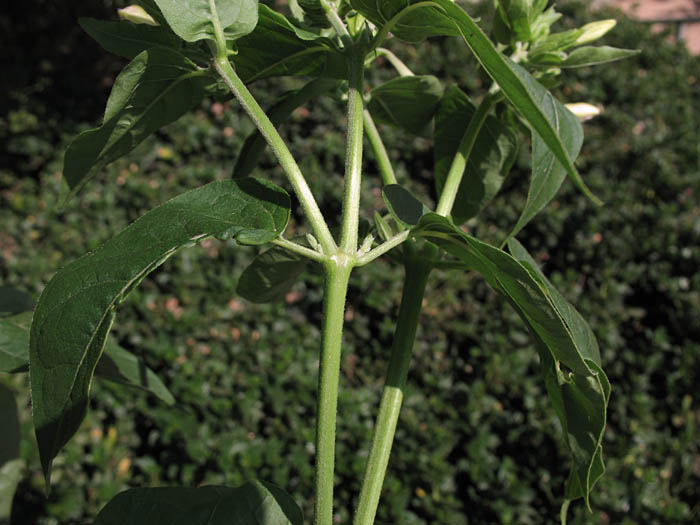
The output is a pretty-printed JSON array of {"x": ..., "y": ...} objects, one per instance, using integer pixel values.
[
  {"x": 418, "y": 269},
  {"x": 353, "y": 155},
  {"x": 459, "y": 162},
  {"x": 337, "y": 275},
  {"x": 300, "y": 250},
  {"x": 336, "y": 22},
  {"x": 386, "y": 28},
  {"x": 383, "y": 248},
  {"x": 279, "y": 148},
  {"x": 375, "y": 140},
  {"x": 401, "y": 68}
]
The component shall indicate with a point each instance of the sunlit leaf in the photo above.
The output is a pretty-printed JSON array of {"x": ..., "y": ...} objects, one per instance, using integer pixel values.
[
  {"x": 192, "y": 20},
  {"x": 592, "y": 56}
]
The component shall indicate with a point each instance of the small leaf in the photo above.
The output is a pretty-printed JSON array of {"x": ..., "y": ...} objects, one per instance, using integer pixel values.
[
  {"x": 191, "y": 20},
  {"x": 491, "y": 157},
  {"x": 406, "y": 102},
  {"x": 403, "y": 205},
  {"x": 11, "y": 467},
  {"x": 255, "y": 503},
  {"x": 14, "y": 342},
  {"x": 592, "y": 56},
  {"x": 126, "y": 39},
  {"x": 154, "y": 89},
  {"x": 14, "y": 301},
  {"x": 271, "y": 275},
  {"x": 547, "y": 172},
  {"x": 76, "y": 310}
]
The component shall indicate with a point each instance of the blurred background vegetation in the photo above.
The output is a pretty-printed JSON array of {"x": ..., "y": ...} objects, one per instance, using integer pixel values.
[{"x": 477, "y": 440}]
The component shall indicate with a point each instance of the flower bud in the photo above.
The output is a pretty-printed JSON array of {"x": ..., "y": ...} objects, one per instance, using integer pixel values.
[
  {"x": 137, "y": 15},
  {"x": 583, "y": 110},
  {"x": 595, "y": 30}
]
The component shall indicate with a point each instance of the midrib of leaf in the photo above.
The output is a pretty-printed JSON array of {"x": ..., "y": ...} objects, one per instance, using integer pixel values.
[{"x": 271, "y": 67}]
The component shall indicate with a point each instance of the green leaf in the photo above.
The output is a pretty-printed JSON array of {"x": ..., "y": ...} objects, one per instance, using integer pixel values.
[
  {"x": 154, "y": 89},
  {"x": 14, "y": 342},
  {"x": 255, "y": 503},
  {"x": 126, "y": 39},
  {"x": 491, "y": 157},
  {"x": 14, "y": 301},
  {"x": 76, "y": 310},
  {"x": 277, "y": 47},
  {"x": 11, "y": 467},
  {"x": 592, "y": 56},
  {"x": 547, "y": 172},
  {"x": 10, "y": 476},
  {"x": 522, "y": 286},
  {"x": 192, "y": 20},
  {"x": 271, "y": 275},
  {"x": 406, "y": 102},
  {"x": 403, "y": 205}
]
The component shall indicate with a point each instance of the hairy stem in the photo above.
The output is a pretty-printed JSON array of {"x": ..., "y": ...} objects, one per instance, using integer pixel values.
[{"x": 337, "y": 275}]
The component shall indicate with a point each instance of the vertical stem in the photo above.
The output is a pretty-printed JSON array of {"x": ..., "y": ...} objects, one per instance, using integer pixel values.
[
  {"x": 337, "y": 275},
  {"x": 418, "y": 267},
  {"x": 353, "y": 155},
  {"x": 375, "y": 140}
]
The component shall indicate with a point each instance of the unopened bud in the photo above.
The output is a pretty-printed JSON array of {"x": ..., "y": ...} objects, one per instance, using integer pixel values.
[
  {"x": 366, "y": 245},
  {"x": 315, "y": 245},
  {"x": 583, "y": 110},
  {"x": 595, "y": 30},
  {"x": 137, "y": 15}
]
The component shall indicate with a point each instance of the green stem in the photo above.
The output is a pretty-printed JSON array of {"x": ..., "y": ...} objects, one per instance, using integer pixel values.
[
  {"x": 389, "y": 25},
  {"x": 418, "y": 267},
  {"x": 279, "y": 148},
  {"x": 459, "y": 162},
  {"x": 353, "y": 155},
  {"x": 375, "y": 140},
  {"x": 337, "y": 275},
  {"x": 401, "y": 68}
]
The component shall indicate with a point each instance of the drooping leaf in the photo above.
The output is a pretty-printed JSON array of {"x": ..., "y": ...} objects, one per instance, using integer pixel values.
[
  {"x": 14, "y": 301},
  {"x": 14, "y": 342},
  {"x": 192, "y": 20},
  {"x": 592, "y": 56},
  {"x": 547, "y": 172},
  {"x": 277, "y": 47},
  {"x": 490, "y": 160},
  {"x": 154, "y": 89},
  {"x": 271, "y": 275},
  {"x": 255, "y": 143},
  {"x": 406, "y": 102},
  {"x": 255, "y": 503},
  {"x": 76, "y": 310},
  {"x": 126, "y": 39},
  {"x": 11, "y": 467},
  {"x": 403, "y": 205}
]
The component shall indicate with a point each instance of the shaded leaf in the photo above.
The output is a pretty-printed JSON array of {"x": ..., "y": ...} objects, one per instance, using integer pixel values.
[
  {"x": 406, "y": 102},
  {"x": 154, "y": 89},
  {"x": 592, "y": 56},
  {"x": 11, "y": 467},
  {"x": 403, "y": 205},
  {"x": 14, "y": 301},
  {"x": 271, "y": 275},
  {"x": 547, "y": 172},
  {"x": 192, "y": 20},
  {"x": 126, "y": 39},
  {"x": 254, "y": 503},
  {"x": 76, "y": 310},
  {"x": 10, "y": 476},
  {"x": 14, "y": 342},
  {"x": 491, "y": 157}
]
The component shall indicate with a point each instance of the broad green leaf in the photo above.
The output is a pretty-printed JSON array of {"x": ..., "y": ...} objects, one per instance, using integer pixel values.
[
  {"x": 126, "y": 39},
  {"x": 277, "y": 47},
  {"x": 592, "y": 56},
  {"x": 154, "y": 89},
  {"x": 490, "y": 161},
  {"x": 255, "y": 503},
  {"x": 271, "y": 275},
  {"x": 255, "y": 143},
  {"x": 406, "y": 102},
  {"x": 11, "y": 467},
  {"x": 14, "y": 301},
  {"x": 76, "y": 310},
  {"x": 192, "y": 20},
  {"x": 403, "y": 205},
  {"x": 14, "y": 342},
  {"x": 523, "y": 288},
  {"x": 547, "y": 172}
]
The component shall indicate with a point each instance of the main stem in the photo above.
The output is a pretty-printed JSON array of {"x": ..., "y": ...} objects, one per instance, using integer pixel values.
[
  {"x": 338, "y": 270},
  {"x": 418, "y": 267}
]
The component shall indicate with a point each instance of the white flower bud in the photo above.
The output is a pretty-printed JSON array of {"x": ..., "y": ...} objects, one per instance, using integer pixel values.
[
  {"x": 595, "y": 30},
  {"x": 137, "y": 15},
  {"x": 584, "y": 111}
]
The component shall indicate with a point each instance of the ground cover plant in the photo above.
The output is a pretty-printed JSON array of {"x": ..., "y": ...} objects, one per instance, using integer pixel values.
[{"x": 406, "y": 212}]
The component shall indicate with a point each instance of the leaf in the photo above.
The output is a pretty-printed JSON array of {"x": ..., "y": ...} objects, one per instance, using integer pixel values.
[
  {"x": 255, "y": 503},
  {"x": 403, "y": 205},
  {"x": 121, "y": 366},
  {"x": 406, "y": 102},
  {"x": 76, "y": 310},
  {"x": 491, "y": 157},
  {"x": 522, "y": 286},
  {"x": 10, "y": 476},
  {"x": 192, "y": 20},
  {"x": 14, "y": 342},
  {"x": 154, "y": 89},
  {"x": 11, "y": 467},
  {"x": 276, "y": 48},
  {"x": 126, "y": 39},
  {"x": 592, "y": 56},
  {"x": 14, "y": 301},
  {"x": 271, "y": 275},
  {"x": 547, "y": 172}
]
